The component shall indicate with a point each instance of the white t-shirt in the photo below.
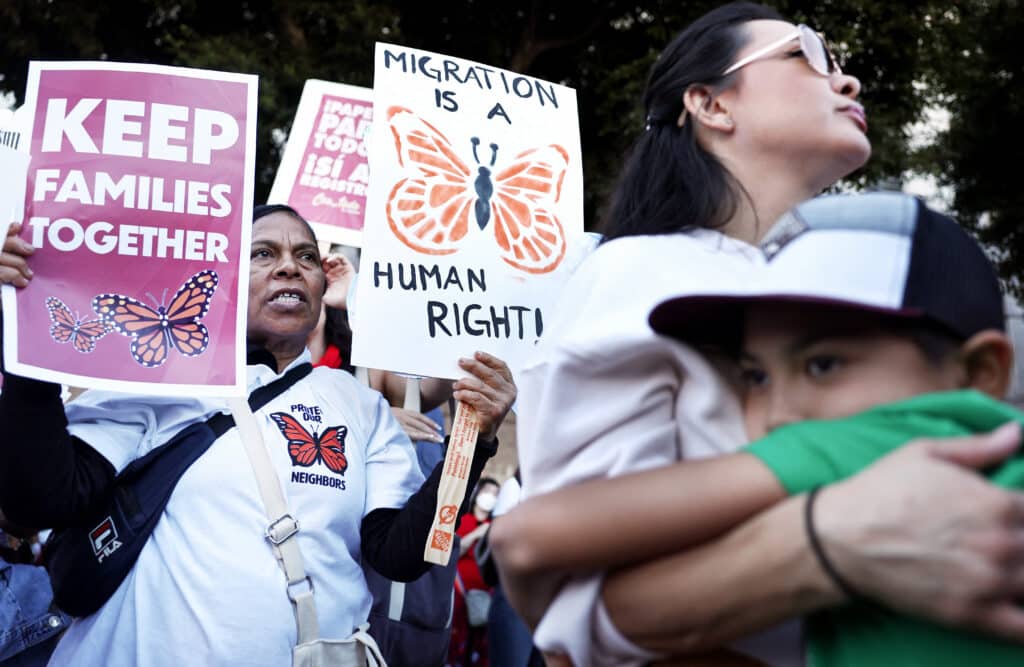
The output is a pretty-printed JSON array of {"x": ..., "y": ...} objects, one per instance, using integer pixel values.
[
  {"x": 206, "y": 588},
  {"x": 604, "y": 395}
]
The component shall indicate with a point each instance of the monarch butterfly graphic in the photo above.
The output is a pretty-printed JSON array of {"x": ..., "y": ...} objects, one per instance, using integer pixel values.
[
  {"x": 307, "y": 448},
  {"x": 69, "y": 328},
  {"x": 154, "y": 331},
  {"x": 430, "y": 210}
]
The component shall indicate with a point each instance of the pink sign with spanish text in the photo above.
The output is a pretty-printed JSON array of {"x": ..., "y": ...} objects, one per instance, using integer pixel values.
[
  {"x": 139, "y": 205},
  {"x": 324, "y": 171}
]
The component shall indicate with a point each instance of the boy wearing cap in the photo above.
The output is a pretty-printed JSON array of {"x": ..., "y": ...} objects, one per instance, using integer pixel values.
[{"x": 866, "y": 307}]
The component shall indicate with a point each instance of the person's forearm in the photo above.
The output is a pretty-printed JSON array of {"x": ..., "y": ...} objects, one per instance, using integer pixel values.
[
  {"x": 433, "y": 391},
  {"x": 751, "y": 578},
  {"x": 529, "y": 594},
  {"x": 605, "y": 523},
  {"x": 393, "y": 540},
  {"x": 47, "y": 478}
]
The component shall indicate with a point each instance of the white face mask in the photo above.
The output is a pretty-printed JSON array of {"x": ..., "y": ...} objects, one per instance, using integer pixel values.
[{"x": 486, "y": 501}]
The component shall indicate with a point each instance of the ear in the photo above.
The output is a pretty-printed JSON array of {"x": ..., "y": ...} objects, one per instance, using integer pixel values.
[
  {"x": 988, "y": 360},
  {"x": 705, "y": 108}
]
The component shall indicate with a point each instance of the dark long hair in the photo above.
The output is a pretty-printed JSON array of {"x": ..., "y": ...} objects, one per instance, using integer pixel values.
[
  {"x": 263, "y": 210},
  {"x": 338, "y": 332},
  {"x": 669, "y": 182}
]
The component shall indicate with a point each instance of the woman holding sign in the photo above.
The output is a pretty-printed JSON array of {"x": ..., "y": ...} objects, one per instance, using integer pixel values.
[
  {"x": 206, "y": 588},
  {"x": 746, "y": 115}
]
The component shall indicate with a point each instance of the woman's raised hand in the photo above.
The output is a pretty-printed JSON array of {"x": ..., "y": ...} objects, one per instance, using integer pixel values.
[
  {"x": 339, "y": 272},
  {"x": 13, "y": 265}
]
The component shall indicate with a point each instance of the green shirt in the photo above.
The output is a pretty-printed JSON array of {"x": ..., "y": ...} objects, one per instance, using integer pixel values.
[{"x": 811, "y": 453}]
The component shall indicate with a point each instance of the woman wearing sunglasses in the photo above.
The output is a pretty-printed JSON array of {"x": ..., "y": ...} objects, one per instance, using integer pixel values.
[{"x": 746, "y": 115}]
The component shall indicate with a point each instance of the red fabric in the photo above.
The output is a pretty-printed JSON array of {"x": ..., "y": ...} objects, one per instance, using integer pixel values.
[
  {"x": 469, "y": 571},
  {"x": 331, "y": 357},
  {"x": 468, "y": 647}
]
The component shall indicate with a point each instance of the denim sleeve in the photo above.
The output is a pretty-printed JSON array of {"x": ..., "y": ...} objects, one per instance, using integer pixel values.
[{"x": 26, "y": 618}]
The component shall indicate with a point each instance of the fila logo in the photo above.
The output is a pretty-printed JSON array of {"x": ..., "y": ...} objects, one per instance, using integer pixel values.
[{"x": 104, "y": 539}]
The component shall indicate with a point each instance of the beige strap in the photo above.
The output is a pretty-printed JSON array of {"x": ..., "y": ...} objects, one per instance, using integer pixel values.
[
  {"x": 282, "y": 527},
  {"x": 362, "y": 635}
]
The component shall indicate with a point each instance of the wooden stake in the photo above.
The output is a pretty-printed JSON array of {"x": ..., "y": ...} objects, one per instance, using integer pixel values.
[{"x": 452, "y": 489}]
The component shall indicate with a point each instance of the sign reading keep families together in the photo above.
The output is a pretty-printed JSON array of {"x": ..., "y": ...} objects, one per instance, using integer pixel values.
[
  {"x": 475, "y": 202},
  {"x": 139, "y": 204}
]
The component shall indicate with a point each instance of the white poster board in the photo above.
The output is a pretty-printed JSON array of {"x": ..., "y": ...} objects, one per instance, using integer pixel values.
[
  {"x": 476, "y": 194},
  {"x": 324, "y": 171}
]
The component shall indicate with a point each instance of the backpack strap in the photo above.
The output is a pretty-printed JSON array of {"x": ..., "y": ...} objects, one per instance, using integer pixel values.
[{"x": 222, "y": 422}]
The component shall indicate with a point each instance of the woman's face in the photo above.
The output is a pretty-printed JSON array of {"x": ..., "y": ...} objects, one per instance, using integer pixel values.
[
  {"x": 781, "y": 107},
  {"x": 286, "y": 283},
  {"x": 486, "y": 497}
]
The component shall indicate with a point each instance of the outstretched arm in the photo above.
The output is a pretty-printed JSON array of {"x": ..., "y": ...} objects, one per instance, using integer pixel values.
[
  {"x": 606, "y": 523},
  {"x": 47, "y": 478}
]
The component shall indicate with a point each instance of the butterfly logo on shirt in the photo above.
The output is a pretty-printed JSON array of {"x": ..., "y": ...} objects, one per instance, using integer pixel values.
[
  {"x": 68, "y": 327},
  {"x": 155, "y": 331},
  {"x": 430, "y": 210},
  {"x": 307, "y": 448}
]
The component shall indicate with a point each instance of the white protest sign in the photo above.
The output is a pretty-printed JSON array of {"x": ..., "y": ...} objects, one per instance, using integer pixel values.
[
  {"x": 13, "y": 173},
  {"x": 476, "y": 194},
  {"x": 324, "y": 171}
]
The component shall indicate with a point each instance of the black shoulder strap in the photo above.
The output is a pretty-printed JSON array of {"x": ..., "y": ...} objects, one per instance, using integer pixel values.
[
  {"x": 222, "y": 422},
  {"x": 174, "y": 461}
]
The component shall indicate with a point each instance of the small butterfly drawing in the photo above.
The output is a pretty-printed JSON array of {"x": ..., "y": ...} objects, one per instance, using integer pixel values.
[
  {"x": 429, "y": 211},
  {"x": 69, "y": 328},
  {"x": 155, "y": 330},
  {"x": 307, "y": 448}
]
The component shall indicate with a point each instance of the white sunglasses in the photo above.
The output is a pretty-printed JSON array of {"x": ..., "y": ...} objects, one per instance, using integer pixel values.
[{"x": 812, "y": 46}]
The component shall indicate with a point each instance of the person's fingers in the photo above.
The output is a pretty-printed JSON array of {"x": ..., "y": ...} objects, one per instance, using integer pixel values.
[
  {"x": 421, "y": 421},
  {"x": 480, "y": 370},
  {"x": 979, "y": 451},
  {"x": 11, "y": 276},
  {"x": 1004, "y": 619},
  {"x": 14, "y": 268},
  {"x": 417, "y": 426},
  {"x": 419, "y": 434},
  {"x": 476, "y": 384},
  {"x": 494, "y": 363}
]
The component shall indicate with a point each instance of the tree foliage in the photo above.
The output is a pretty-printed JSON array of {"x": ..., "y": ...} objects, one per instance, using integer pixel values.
[{"x": 908, "y": 55}]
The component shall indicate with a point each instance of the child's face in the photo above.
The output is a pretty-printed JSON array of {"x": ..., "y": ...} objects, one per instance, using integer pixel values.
[{"x": 804, "y": 362}]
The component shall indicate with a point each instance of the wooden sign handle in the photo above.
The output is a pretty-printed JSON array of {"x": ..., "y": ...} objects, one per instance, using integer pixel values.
[{"x": 452, "y": 488}]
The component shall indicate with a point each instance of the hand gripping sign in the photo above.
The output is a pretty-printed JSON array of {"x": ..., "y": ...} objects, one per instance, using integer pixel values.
[{"x": 138, "y": 203}]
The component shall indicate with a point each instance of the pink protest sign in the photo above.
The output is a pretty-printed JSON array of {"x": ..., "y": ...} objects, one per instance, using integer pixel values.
[
  {"x": 324, "y": 171},
  {"x": 139, "y": 204}
]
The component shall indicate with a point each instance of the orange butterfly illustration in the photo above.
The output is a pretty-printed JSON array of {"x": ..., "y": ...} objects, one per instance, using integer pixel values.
[
  {"x": 307, "y": 448},
  {"x": 430, "y": 211},
  {"x": 67, "y": 327},
  {"x": 154, "y": 331}
]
